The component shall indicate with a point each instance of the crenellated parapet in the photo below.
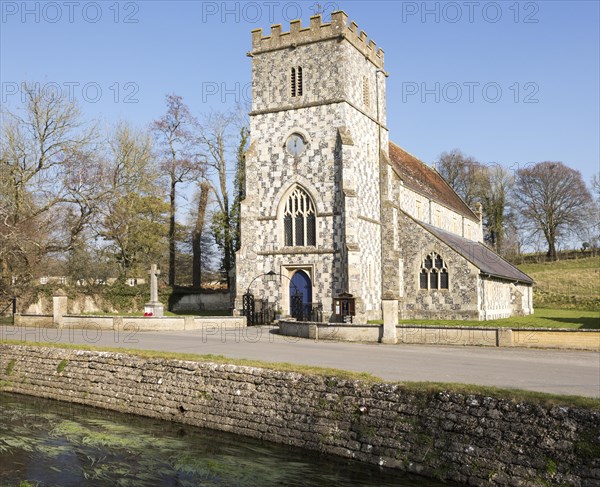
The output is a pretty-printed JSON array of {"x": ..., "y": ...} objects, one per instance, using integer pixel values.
[{"x": 318, "y": 31}]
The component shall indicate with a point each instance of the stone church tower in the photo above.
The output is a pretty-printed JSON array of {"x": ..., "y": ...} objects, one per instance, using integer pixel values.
[
  {"x": 330, "y": 204},
  {"x": 317, "y": 127}
]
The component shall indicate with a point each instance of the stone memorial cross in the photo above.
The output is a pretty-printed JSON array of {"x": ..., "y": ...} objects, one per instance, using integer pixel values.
[
  {"x": 154, "y": 273},
  {"x": 154, "y": 307}
]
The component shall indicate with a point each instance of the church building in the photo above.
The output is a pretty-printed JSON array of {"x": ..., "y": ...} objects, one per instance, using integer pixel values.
[{"x": 335, "y": 214}]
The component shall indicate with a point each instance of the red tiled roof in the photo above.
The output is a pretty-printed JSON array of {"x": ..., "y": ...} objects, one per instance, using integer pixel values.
[{"x": 425, "y": 180}]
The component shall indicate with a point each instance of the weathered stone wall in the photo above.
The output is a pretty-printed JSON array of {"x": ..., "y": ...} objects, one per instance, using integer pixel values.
[
  {"x": 134, "y": 323},
  {"x": 466, "y": 438},
  {"x": 203, "y": 302},
  {"x": 338, "y": 332},
  {"x": 446, "y": 335},
  {"x": 459, "y": 302},
  {"x": 77, "y": 304},
  {"x": 503, "y": 299},
  {"x": 86, "y": 304}
]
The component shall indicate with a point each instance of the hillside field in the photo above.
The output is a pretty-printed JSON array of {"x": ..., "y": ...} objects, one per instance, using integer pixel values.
[{"x": 566, "y": 284}]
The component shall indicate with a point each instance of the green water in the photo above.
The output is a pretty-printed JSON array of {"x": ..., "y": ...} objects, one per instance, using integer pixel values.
[{"x": 51, "y": 443}]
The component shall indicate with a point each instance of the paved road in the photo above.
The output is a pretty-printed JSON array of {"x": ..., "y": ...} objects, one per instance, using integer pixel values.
[{"x": 556, "y": 371}]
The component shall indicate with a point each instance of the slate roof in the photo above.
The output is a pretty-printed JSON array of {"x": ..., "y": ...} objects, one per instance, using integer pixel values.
[
  {"x": 479, "y": 255},
  {"x": 425, "y": 180}
]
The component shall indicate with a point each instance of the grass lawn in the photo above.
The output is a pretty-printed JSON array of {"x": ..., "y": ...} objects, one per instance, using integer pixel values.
[{"x": 543, "y": 318}]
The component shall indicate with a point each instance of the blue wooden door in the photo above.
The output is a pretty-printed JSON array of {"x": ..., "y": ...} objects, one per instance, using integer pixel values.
[{"x": 301, "y": 284}]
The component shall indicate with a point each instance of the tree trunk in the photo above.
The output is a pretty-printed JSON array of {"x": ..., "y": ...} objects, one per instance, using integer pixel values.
[
  {"x": 197, "y": 236},
  {"x": 172, "y": 234},
  {"x": 227, "y": 263},
  {"x": 551, "y": 254}
]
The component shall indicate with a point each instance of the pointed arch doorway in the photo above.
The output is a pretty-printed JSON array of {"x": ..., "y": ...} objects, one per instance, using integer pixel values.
[{"x": 300, "y": 295}]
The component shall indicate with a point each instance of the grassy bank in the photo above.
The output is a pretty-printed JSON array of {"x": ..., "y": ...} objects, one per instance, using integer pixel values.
[
  {"x": 567, "y": 284},
  {"x": 514, "y": 395}
]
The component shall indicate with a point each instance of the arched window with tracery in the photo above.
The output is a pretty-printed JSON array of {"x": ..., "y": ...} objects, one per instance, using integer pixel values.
[
  {"x": 299, "y": 220},
  {"x": 434, "y": 273}
]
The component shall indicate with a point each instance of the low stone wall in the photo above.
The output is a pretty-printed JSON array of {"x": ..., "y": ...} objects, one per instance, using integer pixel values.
[
  {"x": 457, "y": 335},
  {"x": 203, "y": 302},
  {"x": 137, "y": 323},
  {"x": 501, "y": 337},
  {"x": 552, "y": 338},
  {"x": 33, "y": 320},
  {"x": 490, "y": 337},
  {"x": 325, "y": 331},
  {"x": 472, "y": 439}
]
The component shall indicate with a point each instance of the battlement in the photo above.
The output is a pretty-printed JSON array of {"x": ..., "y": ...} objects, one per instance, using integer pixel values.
[{"x": 338, "y": 28}]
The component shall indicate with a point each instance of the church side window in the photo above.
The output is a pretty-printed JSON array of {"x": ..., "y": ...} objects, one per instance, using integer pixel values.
[
  {"x": 434, "y": 273},
  {"x": 299, "y": 222},
  {"x": 296, "y": 81},
  {"x": 366, "y": 94}
]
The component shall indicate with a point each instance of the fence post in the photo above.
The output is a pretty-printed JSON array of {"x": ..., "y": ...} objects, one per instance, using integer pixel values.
[
  {"x": 390, "y": 320},
  {"x": 59, "y": 310}
]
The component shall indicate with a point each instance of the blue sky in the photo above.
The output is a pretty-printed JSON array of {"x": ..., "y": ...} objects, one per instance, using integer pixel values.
[{"x": 507, "y": 82}]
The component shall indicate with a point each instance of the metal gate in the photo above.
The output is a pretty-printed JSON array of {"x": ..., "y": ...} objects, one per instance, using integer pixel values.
[
  {"x": 257, "y": 312},
  {"x": 8, "y": 309},
  {"x": 306, "y": 311},
  {"x": 248, "y": 308}
]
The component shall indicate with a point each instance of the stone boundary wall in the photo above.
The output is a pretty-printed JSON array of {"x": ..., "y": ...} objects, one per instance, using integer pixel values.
[
  {"x": 324, "y": 331},
  {"x": 472, "y": 439},
  {"x": 133, "y": 323},
  {"x": 442, "y": 335},
  {"x": 202, "y": 302}
]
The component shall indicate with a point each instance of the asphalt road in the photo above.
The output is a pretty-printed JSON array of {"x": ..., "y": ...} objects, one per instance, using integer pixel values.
[{"x": 554, "y": 371}]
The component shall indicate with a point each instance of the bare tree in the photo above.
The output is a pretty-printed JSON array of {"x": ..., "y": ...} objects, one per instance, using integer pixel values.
[
  {"x": 479, "y": 183},
  {"x": 595, "y": 229},
  {"x": 462, "y": 173},
  {"x": 47, "y": 172},
  {"x": 553, "y": 200},
  {"x": 180, "y": 159}
]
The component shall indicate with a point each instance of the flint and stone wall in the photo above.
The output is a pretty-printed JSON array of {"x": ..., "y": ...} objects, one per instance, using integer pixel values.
[
  {"x": 459, "y": 302},
  {"x": 466, "y": 438},
  {"x": 341, "y": 99}
]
